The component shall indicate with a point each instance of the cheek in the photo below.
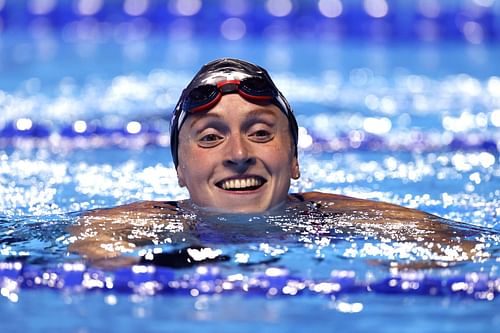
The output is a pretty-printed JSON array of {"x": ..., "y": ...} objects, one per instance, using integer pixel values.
[
  {"x": 194, "y": 164},
  {"x": 188, "y": 175},
  {"x": 187, "y": 152},
  {"x": 285, "y": 151},
  {"x": 184, "y": 171}
]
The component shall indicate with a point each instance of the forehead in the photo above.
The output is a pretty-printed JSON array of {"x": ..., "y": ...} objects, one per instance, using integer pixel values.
[{"x": 234, "y": 107}]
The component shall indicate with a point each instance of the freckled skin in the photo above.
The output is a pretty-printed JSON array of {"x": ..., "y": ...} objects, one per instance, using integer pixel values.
[{"x": 237, "y": 139}]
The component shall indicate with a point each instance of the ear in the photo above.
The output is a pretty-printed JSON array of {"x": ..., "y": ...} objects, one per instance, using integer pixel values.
[
  {"x": 295, "y": 168},
  {"x": 180, "y": 177}
]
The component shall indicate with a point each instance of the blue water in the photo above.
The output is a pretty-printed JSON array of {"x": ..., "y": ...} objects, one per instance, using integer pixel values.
[{"x": 408, "y": 123}]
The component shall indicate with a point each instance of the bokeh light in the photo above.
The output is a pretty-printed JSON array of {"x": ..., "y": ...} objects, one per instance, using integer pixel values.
[
  {"x": 473, "y": 32},
  {"x": 330, "y": 8},
  {"x": 185, "y": 7},
  {"x": 429, "y": 8},
  {"x": 40, "y": 7},
  {"x": 484, "y": 3},
  {"x": 279, "y": 8},
  {"x": 135, "y": 7},
  {"x": 128, "y": 58},
  {"x": 429, "y": 21},
  {"x": 233, "y": 28},
  {"x": 376, "y": 8},
  {"x": 495, "y": 118},
  {"x": 134, "y": 127},
  {"x": 397, "y": 101},
  {"x": 80, "y": 126},
  {"x": 24, "y": 124},
  {"x": 88, "y": 7}
]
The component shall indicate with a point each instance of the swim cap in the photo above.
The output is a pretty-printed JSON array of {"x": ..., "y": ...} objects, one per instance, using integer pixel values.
[{"x": 224, "y": 76}]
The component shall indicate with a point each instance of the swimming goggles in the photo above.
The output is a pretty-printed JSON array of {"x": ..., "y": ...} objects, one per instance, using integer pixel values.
[
  {"x": 206, "y": 96},
  {"x": 225, "y": 76}
]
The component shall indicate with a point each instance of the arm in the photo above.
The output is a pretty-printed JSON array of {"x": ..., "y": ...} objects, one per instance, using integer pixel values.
[
  {"x": 445, "y": 239},
  {"x": 103, "y": 234},
  {"x": 374, "y": 213}
]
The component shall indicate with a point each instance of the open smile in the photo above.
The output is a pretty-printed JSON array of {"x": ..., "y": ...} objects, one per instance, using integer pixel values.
[{"x": 248, "y": 183}]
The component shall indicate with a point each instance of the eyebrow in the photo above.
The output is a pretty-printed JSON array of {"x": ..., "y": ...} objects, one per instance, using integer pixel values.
[
  {"x": 204, "y": 116},
  {"x": 257, "y": 112}
]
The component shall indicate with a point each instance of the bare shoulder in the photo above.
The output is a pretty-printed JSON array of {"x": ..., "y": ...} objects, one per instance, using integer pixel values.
[
  {"x": 337, "y": 203},
  {"x": 384, "y": 219},
  {"x": 109, "y": 232},
  {"x": 137, "y": 209},
  {"x": 397, "y": 223}
]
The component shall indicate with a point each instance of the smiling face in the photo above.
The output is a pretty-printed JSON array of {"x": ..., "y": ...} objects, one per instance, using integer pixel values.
[{"x": 237, "y": 157}]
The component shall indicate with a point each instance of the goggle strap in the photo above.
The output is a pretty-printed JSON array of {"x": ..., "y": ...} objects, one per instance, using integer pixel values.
[{"x": 283, "y": 106}]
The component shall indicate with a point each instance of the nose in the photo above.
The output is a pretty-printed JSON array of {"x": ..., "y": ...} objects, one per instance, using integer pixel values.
[{"x": 239, "y": 155}]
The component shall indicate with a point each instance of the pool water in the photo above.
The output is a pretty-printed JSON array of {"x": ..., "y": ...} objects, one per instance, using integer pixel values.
[{"x": 407, "y": 124}]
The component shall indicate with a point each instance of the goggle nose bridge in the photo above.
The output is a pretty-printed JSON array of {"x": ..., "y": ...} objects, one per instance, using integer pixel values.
[{"x": 228, "y": 86}]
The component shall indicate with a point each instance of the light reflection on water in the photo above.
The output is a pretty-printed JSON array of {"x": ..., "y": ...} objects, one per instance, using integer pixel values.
[
  {"x": 424, "y": 137},
  {"x": 36, "y": 185},
  {"x": 40, "y": 182},
  {"x": 414, "y": 124},
  {"x": 362, "y": 136}
]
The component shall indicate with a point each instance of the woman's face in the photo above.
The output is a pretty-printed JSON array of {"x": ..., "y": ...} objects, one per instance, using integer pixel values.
[{"x": 237, "y": 157}]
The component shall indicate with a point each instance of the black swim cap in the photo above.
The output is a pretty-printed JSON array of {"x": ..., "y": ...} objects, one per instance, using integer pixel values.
[{"x": 205, "y": 83}]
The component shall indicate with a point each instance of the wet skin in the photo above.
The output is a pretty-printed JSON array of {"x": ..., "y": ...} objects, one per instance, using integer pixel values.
[
  {"x": 237, "y": 157},
  {"x": 103, "y": 236}
]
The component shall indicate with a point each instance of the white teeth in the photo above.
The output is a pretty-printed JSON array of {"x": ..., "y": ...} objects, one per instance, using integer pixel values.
[{"x": 241, "y": 183}]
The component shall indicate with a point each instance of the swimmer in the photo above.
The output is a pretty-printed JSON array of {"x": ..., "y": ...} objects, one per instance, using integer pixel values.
[{"x": 234, "y": 146}]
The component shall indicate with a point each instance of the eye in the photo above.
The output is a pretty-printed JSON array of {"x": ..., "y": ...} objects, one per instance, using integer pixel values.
[
  {"x": 209, "y": 140},
  {"x": 261, "y": 135}
]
